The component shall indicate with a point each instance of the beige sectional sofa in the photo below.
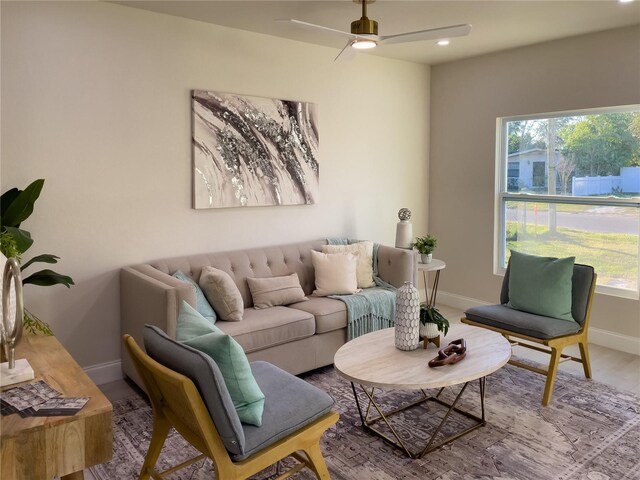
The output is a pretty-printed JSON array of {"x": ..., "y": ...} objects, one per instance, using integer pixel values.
[{"x": 297, "y": 337}]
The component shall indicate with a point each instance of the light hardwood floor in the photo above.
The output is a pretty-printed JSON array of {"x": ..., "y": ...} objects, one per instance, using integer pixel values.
[{"x": 618, "y": 369}]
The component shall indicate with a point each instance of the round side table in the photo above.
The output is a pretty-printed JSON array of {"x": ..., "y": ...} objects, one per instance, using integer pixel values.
[{"x": 434, "y": 266}]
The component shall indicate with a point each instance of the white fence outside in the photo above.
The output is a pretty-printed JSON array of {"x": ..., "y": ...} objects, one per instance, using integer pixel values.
[{"x": 627, "y": 182}]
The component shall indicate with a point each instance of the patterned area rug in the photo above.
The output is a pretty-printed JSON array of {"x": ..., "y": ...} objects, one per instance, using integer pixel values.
[{"x": 589, "y": 432}]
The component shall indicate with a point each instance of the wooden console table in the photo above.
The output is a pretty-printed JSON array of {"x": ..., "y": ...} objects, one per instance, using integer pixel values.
[{"x": 46, "y": 447}]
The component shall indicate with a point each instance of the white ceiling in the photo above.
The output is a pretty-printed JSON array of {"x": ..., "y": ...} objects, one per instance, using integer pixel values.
[{"x": 497, "y": 25}]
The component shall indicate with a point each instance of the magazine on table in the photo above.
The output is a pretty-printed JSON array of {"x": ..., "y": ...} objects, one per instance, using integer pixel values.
[{"x": 39, "y": 399}]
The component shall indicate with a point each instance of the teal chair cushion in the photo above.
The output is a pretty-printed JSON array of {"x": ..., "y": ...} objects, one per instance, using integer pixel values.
[
  {"x": 195, "y": 331},
  {"x": 541, "y": 285},
  {"x": 247, "y": 397},
  {"x": 192, "y": 324},
  {"x": 581, "y": 281}
]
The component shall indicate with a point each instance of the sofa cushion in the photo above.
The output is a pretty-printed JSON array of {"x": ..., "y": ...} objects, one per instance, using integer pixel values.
[
  {"x": 291, "y": 403},
  {"x": 260, "y": 329},
  {"x": 364, "y": 266},
  {"x": 274, "y": 291},
  {"x": 335, "y": 273},
  {"x": 330, "y": 314},
  {"x": 222, "y": 294},
  {"x": 202, "y": 304},
  {"x": 206, "y": 376},
  {"x": 536, "y": 326}
]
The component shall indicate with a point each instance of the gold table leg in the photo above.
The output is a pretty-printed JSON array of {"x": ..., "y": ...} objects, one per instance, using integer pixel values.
[{"x": 368, "y": 423}]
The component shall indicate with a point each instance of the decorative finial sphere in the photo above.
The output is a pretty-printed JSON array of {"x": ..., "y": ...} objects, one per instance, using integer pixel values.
[{"x": 404, "y": 214}]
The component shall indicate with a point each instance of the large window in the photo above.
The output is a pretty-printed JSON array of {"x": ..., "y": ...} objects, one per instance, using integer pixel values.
[{"x": 575, "y": 191}]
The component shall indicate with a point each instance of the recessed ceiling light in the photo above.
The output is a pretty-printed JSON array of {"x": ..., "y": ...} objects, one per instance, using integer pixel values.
[
  {"x": 363, "y": 44},
  {"x": 625, "y": 1},
  {"x": 443, "y": 43}
]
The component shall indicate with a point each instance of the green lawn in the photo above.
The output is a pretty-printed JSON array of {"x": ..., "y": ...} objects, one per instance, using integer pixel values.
[{"x": 613, "y": 255}]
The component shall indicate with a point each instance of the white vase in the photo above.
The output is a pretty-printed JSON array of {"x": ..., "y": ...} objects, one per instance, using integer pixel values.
[
  {"x": 426, "y": 258},
  {"x": 429, "y": 330},
  {"x": 407, "y": 319}
]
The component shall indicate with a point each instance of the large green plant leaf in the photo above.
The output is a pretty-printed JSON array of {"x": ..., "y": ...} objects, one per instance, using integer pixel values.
[
  {"x": 22, "y": 205},
  {"x": 22, "y": 237},
  {"x": 46, "y": 278},
  {"x": 44, "y": 258},
  {"x": 7, "y": 199}
]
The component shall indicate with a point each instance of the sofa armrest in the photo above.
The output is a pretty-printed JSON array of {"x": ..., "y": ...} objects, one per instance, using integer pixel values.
[
  {"x": 397, "y": 265},
  {"x": 148, "y": 296}
]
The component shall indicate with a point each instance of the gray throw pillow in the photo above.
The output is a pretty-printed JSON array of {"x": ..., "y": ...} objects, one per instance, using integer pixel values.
[{"x": 222, "y": 293}]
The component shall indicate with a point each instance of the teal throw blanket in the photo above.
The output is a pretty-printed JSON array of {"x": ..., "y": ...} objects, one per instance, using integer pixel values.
[{"x": 370, "y": 309}]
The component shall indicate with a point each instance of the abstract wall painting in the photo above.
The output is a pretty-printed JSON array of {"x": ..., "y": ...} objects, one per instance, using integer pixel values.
[{"x": 253, "y": 151}]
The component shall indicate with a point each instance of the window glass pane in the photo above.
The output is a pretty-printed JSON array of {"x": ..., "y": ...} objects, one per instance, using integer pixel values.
[
  {"x": 575, "y": 155},
  {"x": 603, "y": 236}
]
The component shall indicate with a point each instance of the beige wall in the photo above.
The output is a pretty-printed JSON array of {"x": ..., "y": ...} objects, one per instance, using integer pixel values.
[
  {"x": 594, "y": 70},
  {"x": 96, "y": 100}
]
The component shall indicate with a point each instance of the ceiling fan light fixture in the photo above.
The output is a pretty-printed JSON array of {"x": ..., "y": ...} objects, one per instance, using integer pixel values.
[
  {"x": 363, "y": 44},
  {"x": 443, "y": 42}
]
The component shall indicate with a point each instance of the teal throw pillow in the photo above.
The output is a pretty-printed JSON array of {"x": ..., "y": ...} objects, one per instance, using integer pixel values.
[
  {"x": 541, "y": 285},
  {"x": 191, "y": 324},
  {"x": 202, "y": 304},
  {"x": 232, "y": 362}
]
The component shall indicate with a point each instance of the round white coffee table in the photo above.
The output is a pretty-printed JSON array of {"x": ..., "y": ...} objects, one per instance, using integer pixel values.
[{"x": 372, "y": 361}]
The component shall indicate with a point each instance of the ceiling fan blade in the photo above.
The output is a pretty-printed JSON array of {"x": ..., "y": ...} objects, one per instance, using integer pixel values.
[
  {"x": 430, "y": 34},
  {"x": 347, "y": 53},
  {"x": 313, "y": 26}
]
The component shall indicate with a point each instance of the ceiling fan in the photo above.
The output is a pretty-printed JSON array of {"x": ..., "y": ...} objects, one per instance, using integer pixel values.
[{"x": 364, "y": 33}]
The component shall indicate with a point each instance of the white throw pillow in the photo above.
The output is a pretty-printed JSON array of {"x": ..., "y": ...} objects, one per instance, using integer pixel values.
[
  {"x": 364, "y": 253},
  {"x": 222, "y": 293},
  {"x": 335, "y": 273}
]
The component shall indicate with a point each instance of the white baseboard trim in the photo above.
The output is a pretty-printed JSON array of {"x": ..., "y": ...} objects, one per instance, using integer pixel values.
[
  {"x": 105, "y": 372},
  {"x": 458, "y": 301},
  {"x": 615, "y": 341},
  {"x": 597, "y": 336}
]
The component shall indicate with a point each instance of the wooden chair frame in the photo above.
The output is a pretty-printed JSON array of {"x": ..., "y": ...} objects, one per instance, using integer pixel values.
[
  {"x": 177, "y": 403},
  {"x": 556, "y": 345}
]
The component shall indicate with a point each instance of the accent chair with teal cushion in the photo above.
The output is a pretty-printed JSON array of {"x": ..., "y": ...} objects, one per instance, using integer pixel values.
[
  {"x": 553, "y": 310},
  {"x": 188, "y": 392}
]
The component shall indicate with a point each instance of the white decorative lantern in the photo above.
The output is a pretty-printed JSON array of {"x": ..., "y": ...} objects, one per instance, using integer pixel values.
[
  {"x": 407, "y": 320},
  {"x": 404, "y": 229}
]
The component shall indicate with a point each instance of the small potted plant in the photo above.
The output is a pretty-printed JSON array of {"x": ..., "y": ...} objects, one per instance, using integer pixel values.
[
  {"x": 432, "y": 322},
  {"x": 425, "y": 246}
]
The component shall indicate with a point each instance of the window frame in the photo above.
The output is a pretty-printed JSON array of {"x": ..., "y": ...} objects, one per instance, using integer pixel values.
[{"x": 502, "y": 196}]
